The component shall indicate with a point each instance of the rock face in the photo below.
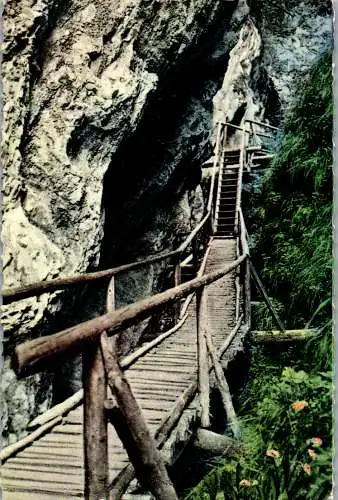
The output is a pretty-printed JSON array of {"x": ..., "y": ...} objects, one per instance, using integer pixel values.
[{"x": 109, "y": 109}]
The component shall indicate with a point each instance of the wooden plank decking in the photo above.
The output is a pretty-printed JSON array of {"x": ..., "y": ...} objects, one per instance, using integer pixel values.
[{"x": 52, "y": 467}]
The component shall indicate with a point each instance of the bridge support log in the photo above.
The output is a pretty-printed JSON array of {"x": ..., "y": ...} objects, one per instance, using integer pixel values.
[
  {"x": 95, "y": 424},
  {"x": 203, "y": 362},
  {"x": 277, "y": 336},
  {"x": 140, "y": 445},
  {"x": 223, "y": 387},
  {"x": 265, "y": 296},
  {"x": 123, "y": 479},
  {"x": 216, "y": 443}
]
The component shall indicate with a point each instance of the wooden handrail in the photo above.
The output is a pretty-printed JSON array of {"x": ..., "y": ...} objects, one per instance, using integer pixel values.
[
  {"x": 244, "y": 233},
  {"x": 38, "y": 288},
  {"x": 34, "y": 355},
  {"x": 261, "y": 124},
  {"x": 240, "y": 179}
]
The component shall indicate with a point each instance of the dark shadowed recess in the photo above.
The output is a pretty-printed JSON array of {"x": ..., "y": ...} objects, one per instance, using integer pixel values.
[{"x": 149, "y": 170}]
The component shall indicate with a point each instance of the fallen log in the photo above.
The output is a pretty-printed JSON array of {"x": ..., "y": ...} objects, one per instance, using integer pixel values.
[
  {"x": 277, "y": 336},
  {"x": 216, "y": 443}
]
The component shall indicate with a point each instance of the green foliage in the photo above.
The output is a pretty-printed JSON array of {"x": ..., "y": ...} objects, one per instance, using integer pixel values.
[
  {"x": 294, "y": 240},
  {"x": 281, "y": 460},
  {"x": 284, "y": 407},
  {"x": 261, "y": 317}
]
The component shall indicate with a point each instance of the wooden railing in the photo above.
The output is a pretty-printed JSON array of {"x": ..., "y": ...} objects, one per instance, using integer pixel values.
[{"x": 101, "y": 366}]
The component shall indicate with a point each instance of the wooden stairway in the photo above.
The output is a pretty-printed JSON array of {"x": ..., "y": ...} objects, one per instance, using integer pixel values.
[{"x": 227, "y": 195}]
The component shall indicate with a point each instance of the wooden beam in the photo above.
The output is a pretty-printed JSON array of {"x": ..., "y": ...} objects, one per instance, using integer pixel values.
[
  {"x": 26, "y": 441},
  {"x": 38, "y": 288},
  {"x": 35, "y": 355},
  {"x": 216, "y": 443},
  {"x": 277, "y": 336},
  {"x": 230, "y": 337},
  {"x": 261, "y": 124},
  {"x": 247, "y": 293},
  {"x": 95, "y": 436},
  {"x": 123, "y": 479},
  {"x": 95, "y": 424},
  {"x": 148, "y": 462},
  {"x": 266, "y": 298},
  {"x": 223, "y": 387},
  {"x": 215, "y": 162},
  {"x": 57, "y": 410},
  {"x": 202, "y": 356}
]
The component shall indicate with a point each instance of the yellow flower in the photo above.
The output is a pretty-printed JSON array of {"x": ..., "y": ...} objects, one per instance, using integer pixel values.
[
  {"x": 299, "y": 405},
  {"x": 273, "y": 453},
  {"x": 245, "y": 482},
  {"x": 316, "y": 442},
  {"x": 307, "y": 469}
]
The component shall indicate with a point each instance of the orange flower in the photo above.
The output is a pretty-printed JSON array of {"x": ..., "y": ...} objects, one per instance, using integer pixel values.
[
  {"x": 307, "y": 469},
  {"x": 245, "y": 482},
  {"x": 312, "y": 454},
  {"x": 272, "y": 453},
  {"x": 299, "y": 405},
  {"x": 316, "y": 442}
]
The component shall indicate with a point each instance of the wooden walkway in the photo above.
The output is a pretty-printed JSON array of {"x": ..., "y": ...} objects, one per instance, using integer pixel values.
[{"x": 52, "y": 466}]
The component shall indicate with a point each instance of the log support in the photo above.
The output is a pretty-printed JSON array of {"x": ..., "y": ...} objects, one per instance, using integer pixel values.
[
  {"x": 223, "y": 387},
  {"x": 265, "y": 296},
  {"x": 95, "y": 424},
  {"x": 203, "y": 364},
  {"x": 140, "y": 445},
  {"x": 277, "y": 336},
  {"x": 216, "y": 443}
]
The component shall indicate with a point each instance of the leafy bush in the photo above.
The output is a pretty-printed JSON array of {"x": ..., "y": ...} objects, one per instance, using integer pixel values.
[
  {"x": 288, "y": 440},
  {"x": 294, "y": 251},
  {"x": 286, "y": 411}
]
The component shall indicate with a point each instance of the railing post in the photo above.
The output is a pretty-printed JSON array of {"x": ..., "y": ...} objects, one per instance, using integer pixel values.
[
  {"x": 202, "y": 355},
  {"x": 194, "y": 245},
  {"x": 95, "y": 419},
  {"x": 247, "y": 293},
  {"x": 94, "y": 424},
  {"x": 178, "y": 280},
  {"x": 242, "y": 159}
]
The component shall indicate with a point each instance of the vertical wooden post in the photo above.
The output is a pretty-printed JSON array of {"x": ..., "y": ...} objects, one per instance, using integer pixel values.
[
  {"x": 178, "y": 279},
  {"x": 202, "y": 355},
  {"x": 95, "y": 424},
  {"x": 247, "y": 293},
  {"x": 195, "y": 255},
  {"x": 178, "y": 274},
  {"x": 95, "y": 419}
]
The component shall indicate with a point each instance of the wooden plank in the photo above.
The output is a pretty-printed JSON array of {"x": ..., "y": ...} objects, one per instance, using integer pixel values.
[{"x": 277, "y": 336}]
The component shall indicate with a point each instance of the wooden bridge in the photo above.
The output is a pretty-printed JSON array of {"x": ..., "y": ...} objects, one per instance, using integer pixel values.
[{"x": 72, "y": 451}]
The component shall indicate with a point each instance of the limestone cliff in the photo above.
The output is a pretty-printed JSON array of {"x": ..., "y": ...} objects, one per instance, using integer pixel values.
[{"x": 109, "y": 109}]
